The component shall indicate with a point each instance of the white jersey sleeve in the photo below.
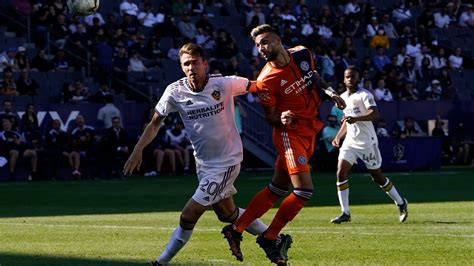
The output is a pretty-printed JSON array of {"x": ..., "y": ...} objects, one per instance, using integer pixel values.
[
  {"x": 167, "y": 103},
  {"x": 368, "y": 100},
  {"x": 238, "y": 85}
]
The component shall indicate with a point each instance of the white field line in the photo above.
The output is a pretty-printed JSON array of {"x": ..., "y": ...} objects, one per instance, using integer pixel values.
[{"x": 293, "y": 230}]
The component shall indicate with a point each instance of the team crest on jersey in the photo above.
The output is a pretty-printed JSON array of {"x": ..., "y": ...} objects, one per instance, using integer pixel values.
[
  {"x": 302, "y": 160},
  {"x": 304, "y": 66},
  {"x": 216, "y": 95},
  {"x": 264, "y": 96}
]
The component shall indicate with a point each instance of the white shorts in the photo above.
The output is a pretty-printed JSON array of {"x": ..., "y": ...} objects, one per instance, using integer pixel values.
[
  {"x": 370, "y": 155},
  {"x": 215, "y": 184}
]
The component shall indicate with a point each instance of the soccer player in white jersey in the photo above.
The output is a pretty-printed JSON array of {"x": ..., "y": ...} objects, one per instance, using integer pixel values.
[
  {"x": 205, "y": 104},
  {"x": 360, "y": 142}
]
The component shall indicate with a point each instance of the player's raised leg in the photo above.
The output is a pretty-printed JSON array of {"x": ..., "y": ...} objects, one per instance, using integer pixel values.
[
  {"x": 386, "y": 184},
  {"x": 342, "y": 183}
]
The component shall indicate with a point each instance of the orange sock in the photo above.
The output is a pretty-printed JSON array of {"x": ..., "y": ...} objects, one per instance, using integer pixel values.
[
  {"x": 258, "y": 206},
  {"x": 288, "y": 210}
]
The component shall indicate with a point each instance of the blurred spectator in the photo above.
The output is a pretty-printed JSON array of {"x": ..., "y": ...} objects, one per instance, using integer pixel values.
[
  {"x": 7, "y": 59},
  {"x": 178, "y": 7},
  {"x": 441, "y": 19},
  {"x": 82, "y": 142},
  {"x": 153, "y": 49},
  {"x": 21, "y": 60},
  {"x": 447, "y": 84},
  {"x": 186, "y": 27},
  {"x": 129, "y": 26},
  {"x": 17, "y": 148},
  {"x": 406, "y": 36},
  {"x": 225, "y": 45},
  {"x": 8, "y": 86},
  {"x": 111, "y": 25},
  {"x": 104, "y": 56},
  {"x": 310, "y": 27},
  {"x": 40, "y": 62},
  {"x": 456, "y": 60},
  {"x": 136, "y": 63},
  {"x": 74, "y": 21},
  {"x": 205, "y": 39},
  {"x": 108, "y": 112},
  {"x": 352, "y": 8},
  {"x": 168, "y": 28},
  {"x": 102, "y": 92},
  {"x": 29, "y": 119},
  {"x": 413, "y": 47},
  {"x": 173, "y": 52},
  {"x": 204, "y": 23},
  {"x": 128, "y": 7},
  {"x": 425, "y": 73},
  {"x": 367, "y": 85},
  {"x": 390, "y": 30},
  {"x": 160, "y": 152},
  {"x": 409, "y": 93},
  {"x": 467, "y": 17},
  {"x": 60, "y": 31},
  {"x": 380, "y": 39},
  {"x": 288, "y": 18},
  {"x": 56, "y": 148},
  {"x": 422, "y": 55},
  {"x": 380, "y": 59},
  {"x": 434, "y": 91},
  {"x": 115, "y": 147},
  {"x": 303, "y": 16},
  {"x": 27, "y": 85},
  {"x": 347, "y": 46},
  {"x": 233, "y": 68},
  {"x": 274, "y": 19},
  {"x": 328, "y": 65},
  {"x": 329, "y": 133},
  {"x": 408, "y": 71},
  {"x": 401, "y": 11},
  {"x": 381, "y": 129},
  {"x": 61, "y": 62},
  {"x": 177, "y": 139},
  {"x": 337, "y": 113},
  {"x": 9, "y": 114},
  {"x": 289, "y": 37},
  {"x": 382, "y": 93},
  {"x": 256, "y": 11},
  {"x": 372, "y": 27},
  {"x": 323, "y": 30},
  {"x": 120, "y": 66},
  {"x": 160, "y": 16},
  {"x": 440, "y": 60},
  {"x": 402, "y": 56},
  {"x": 146, "y": 17},
  {"x": 75, "y": 92},
  {"x": 409, "y": 128},
  {"x": 89, "y": 20}
]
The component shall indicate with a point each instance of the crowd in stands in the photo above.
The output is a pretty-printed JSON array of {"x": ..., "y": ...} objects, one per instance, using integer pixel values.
[{"x": 392, "y": 46}]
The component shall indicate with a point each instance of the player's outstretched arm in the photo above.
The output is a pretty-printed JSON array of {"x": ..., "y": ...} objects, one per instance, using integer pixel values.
[
  {"x": 372, "y": 115},
  {"x": 330, "y": 91},
  {"x": 150, "y": 132}
]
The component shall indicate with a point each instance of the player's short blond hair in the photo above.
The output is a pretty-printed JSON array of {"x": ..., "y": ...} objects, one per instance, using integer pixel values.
[{"x": 192, "y": 49}]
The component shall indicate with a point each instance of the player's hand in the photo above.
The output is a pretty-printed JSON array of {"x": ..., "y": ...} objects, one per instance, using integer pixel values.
[
  {"x": 133, "y": 162},
  {"x": 350, "y": 119},
  {"x": 340, "y": 103},
  {"x": 335, "y": 142},
  {"x": 287, "y": 117}
]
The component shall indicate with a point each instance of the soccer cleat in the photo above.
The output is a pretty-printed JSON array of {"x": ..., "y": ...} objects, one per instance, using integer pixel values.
[
  {"x": 272, "y": 249},
  {"x": 283, "y": 244},
  {"x": 155, "y": 263},
  {"x": 403, "y": 210},
  {"x": 233, "y": 238},
  {"x": 344, "y": 217}
]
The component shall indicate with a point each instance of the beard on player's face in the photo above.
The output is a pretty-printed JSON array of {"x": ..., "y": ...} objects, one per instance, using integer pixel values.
[{"x": 271, "y": 55}]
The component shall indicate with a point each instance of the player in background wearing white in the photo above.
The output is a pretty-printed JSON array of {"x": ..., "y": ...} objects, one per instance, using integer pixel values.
[
  {"x": 205, "y": 104},
  {"x": 360, "y": 142}
]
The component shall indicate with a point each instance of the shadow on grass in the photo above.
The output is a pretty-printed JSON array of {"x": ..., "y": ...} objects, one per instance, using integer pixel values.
[
  {"x": 7, "y": 259},
  {"x": 160, "y": 194}
]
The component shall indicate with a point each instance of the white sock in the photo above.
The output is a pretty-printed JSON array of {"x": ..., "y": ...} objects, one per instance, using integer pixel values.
[
  {"x": 178, "y": 239},
  {"x": 343, "y": 196},
  {"x": 392, "y": 192},
  {"x": 257, "y": 227}
]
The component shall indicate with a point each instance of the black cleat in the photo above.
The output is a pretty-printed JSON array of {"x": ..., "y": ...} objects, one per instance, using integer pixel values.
[
  {"x": 403, "y": 210},
  {"x": 155, "y": 263},
  {"x": 344, "y": 217},
  {"x": 272, "y": 248},
  {"x": 283, "y": 244},
  {"x": 233, "y": 238}
]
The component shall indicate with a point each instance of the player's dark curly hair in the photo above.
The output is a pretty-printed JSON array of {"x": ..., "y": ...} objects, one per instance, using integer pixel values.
[{"x": 264, "y": 28}]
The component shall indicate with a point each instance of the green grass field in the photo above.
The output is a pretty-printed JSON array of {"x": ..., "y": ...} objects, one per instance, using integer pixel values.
[{"x": 129, "y": 222}]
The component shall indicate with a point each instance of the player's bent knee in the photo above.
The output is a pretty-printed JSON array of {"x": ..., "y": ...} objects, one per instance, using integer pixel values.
[
  {"x": 186, "y": 223},
  {"x": 230, "y": 218}
]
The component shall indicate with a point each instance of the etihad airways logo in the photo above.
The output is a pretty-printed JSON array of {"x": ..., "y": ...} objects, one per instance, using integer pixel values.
[{"x": 300, "y": 84}]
